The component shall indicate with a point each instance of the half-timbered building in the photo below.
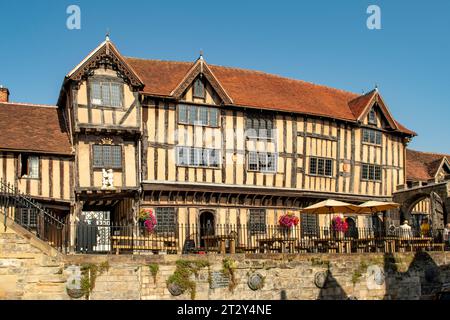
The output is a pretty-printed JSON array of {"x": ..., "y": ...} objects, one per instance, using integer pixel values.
[{"x": 200, "y": 143}]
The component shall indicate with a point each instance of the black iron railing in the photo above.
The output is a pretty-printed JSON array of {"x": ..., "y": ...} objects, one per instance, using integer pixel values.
[
  {"x": 243, "y": 238},
  {"x": 32, "y": 216}
]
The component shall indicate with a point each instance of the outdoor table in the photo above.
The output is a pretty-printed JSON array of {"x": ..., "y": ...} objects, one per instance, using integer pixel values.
[
  {"x": 221, "y": 239},
  {"x": 269, "y": 242},
  {"x": 342, "y": 245},
  {"x": 363, "y": 243},
  {"x": 413, "y": 242}
]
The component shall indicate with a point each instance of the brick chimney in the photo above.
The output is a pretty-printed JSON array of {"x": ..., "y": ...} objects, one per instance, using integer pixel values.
[{"x": 4, "y": 94}]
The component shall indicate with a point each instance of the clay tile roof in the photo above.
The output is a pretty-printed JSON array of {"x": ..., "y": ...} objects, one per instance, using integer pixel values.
[
  {"x": 360, "y": 103},
  {"x": 422, "y": 166},
  {"x": 33, "y": 128},
  {"x": 257, "y": 89}
]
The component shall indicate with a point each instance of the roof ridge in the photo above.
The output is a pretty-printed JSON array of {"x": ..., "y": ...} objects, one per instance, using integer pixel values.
[
  {"x": 25, "y": 104},
  {"x": 160, "y": 60},
  {"x": 257, "y": 72},
  {"x": 430, "y": 153}
]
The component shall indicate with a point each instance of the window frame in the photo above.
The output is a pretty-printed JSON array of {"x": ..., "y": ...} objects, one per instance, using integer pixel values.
[
  {"x": 264, "y": 122},
  {"x": 28, "y": 158},
  {"x": 110, "y": 81},
  {"x": 325, "y": 161},
  {"x": 194, "y": 88},
  {"x": 375, "y": 169},
  {"x": 307, "y": 221},
  {"x": 111, "y": 164},
  {"x": 188, "y": 110},
  {"x": 371, "y": 133},
  {"x": 261, "y": 215},
  {"x": 193, "y": 152},
  {"x": 258, "y": 163},
  {"x": 372, "y": 117},
  {"x": 172, "y": 224}
]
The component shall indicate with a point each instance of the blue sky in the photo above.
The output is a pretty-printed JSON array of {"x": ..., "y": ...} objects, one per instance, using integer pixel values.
[{"x": 325, "y": 42}]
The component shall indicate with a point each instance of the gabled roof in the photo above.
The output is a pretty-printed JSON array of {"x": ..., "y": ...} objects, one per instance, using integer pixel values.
[
  {"x": 423, "y": 166},
  {"x": 106, "y": 52},
  {"x": 33, "y": 128},
  {"x": 200, "y": 67},
  {"x": 255, "y": 89}
]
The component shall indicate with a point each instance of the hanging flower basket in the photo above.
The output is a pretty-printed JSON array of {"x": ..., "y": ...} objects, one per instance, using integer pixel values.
[
  {"x": 339, "y": 224},
  {"x": 289, "y": 220},
  {"x": 148, "y": 220}
]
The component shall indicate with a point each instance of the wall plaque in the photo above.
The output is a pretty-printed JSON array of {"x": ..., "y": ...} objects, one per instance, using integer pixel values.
[
  {"x": 219, "y": 280},
  {"x": 320, "y": 279},
  {"x": 255, "y": 281},
  {"x": 175, "y": 289}
]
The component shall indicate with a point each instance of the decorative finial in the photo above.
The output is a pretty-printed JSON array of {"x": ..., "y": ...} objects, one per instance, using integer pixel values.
[
  {"x": 201, "y": 54},
  {"x": 107, "y": 34},
  {"x": 376, "y": 87}
]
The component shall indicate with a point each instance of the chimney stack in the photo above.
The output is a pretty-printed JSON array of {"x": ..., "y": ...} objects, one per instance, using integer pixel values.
[{"x": 4, "y": 94}]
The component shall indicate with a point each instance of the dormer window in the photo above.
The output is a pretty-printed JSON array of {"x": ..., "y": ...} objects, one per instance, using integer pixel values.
[
  {"x": 199, "y": 88},
  {"x": 106, "y": 94},
  {"x": 372, "y": 117}
]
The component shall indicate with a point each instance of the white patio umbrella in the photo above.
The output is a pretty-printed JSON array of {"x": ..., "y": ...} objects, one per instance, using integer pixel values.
[
  {"x": 376, "y": 206},
  {"x": 331, "y": 206}
]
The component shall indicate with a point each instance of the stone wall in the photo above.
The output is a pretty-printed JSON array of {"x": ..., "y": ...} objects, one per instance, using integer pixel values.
[{"x": 29, "y": 269}]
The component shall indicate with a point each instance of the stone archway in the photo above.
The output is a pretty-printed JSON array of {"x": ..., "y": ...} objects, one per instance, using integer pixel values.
[{"x": 439, "y": 195}]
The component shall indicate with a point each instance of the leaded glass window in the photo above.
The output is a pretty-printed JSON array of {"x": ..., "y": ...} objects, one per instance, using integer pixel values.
[
  {"x": 257, "y": 221},
  {"x": 321, "y": 166},
  {"x": 165, "y": 220},
  {"x": 309, "y": 224},
  {"x": 107, "y": 156},
  {"x": 199, "y": 88},
  {"x": 196, "y": 115},
  {"x": 262, "y": 161},
  {"x": 372, "y": 116},
  {"x": 106, "y": 93},
  {"x": 372, "y": 136},
  {"x": 371, "y": 172},
  {"x": 259, "y": 126},
  {"x": 198, "y": 157}
]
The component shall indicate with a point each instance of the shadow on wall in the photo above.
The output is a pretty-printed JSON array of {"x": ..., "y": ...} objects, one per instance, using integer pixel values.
[
  {"x": 422, "y": 280},
  {"x": 332, "y": 290}
]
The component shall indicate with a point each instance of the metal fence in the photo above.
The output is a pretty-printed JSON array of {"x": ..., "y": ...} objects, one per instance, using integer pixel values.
[
  {"x": 32, "y": 216},
  {"x": 243, "y": 238}
]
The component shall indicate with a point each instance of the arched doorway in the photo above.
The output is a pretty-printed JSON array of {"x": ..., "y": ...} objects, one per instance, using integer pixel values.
[{"x": 207, "y": 225}]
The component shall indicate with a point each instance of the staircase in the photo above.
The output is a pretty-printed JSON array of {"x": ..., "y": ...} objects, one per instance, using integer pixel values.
[{"x": 32, "y": 216}]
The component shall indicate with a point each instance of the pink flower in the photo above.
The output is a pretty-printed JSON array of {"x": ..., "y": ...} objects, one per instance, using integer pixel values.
[
  {"x": 150, "y": 221},
  {"x": 339, "y": 224},
  {"x": 288, "y": 220}
]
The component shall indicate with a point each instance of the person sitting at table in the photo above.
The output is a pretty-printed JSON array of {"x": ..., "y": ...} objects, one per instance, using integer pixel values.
[
  {"x": 405, "y": 230},
  {"x": 425, "y": 228}
]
